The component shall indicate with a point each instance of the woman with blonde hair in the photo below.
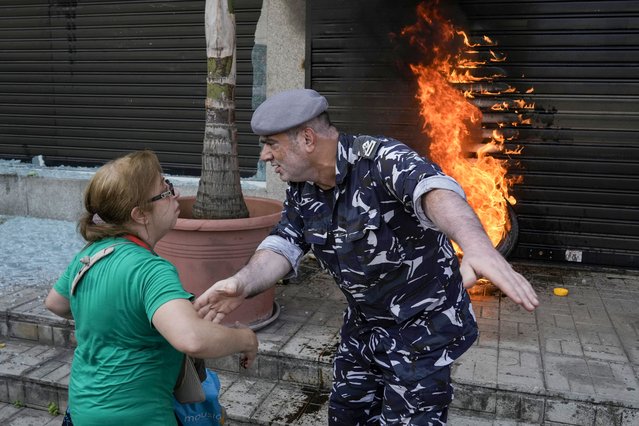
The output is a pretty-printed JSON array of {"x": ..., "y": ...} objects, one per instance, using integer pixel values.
[{"x": 133, "y": 319}]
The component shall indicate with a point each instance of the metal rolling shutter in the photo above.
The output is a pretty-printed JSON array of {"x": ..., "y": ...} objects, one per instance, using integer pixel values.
[
  {"x": 82, "y": 82},
  {"x": 352, "y": 63},
  {"x": 579, "y": 200}
]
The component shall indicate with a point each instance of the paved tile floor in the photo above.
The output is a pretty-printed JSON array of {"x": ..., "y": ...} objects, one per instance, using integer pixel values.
[
  {"x": 572, "y": 361},
  {"x": 575, "y": 360}
]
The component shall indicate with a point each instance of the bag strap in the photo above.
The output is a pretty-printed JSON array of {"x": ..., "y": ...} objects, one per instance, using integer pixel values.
[{"x": 89, "y": 261}]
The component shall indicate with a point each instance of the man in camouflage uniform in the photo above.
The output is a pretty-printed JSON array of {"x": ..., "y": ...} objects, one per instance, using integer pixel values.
[{"x": 378, "y": 218}]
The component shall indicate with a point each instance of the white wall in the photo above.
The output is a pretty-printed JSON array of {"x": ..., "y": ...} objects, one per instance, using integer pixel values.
[{"x": 57, "y": 192}]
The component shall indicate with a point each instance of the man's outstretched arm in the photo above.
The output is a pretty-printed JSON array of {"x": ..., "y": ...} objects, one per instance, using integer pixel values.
[
  {"x": 262, "y": 271},
  {"x": 454, "y": 217}
]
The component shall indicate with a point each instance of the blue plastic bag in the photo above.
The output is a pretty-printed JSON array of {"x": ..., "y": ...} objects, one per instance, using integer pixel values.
[{"x": 206, "y": 413}]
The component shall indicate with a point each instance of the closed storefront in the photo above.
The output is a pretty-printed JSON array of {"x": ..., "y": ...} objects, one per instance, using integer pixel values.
[
  {"x": 84, "y": 81},
  {"x": 576, "y": 65}
]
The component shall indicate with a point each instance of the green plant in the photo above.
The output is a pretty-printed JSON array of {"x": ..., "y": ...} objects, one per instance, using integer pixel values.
[
  {"x": 18, "y": 403},
  {"x": 53, "y": 409}
]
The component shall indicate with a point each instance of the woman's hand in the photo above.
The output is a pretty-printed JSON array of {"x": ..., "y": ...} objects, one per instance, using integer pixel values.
[{"x": 247, "y": 357}]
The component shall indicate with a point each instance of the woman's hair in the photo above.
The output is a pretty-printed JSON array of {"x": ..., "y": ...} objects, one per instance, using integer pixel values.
[{"x": 113, "y": 192}]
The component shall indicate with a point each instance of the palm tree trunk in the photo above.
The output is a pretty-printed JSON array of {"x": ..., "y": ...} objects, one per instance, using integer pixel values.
[{"x": 219, "y": 194}]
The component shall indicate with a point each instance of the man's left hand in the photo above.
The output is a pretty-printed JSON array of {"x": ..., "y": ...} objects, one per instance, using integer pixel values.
[{"x": 491, "y": 265}]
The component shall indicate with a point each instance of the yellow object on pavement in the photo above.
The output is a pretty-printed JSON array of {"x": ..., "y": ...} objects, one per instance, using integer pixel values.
[{"x": 560, "y": 291}]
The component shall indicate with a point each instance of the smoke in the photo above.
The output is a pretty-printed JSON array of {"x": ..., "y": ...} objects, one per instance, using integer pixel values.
[
  {"x": 382, "y": 21},
  {"x": 431, "y": 36}
]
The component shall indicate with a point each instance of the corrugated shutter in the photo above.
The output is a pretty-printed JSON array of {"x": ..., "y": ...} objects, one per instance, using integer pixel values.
[
  {"x": 82, "y": 82},
  {"x": 353, "y": 63},
  {"x": 579, "y": 200}
]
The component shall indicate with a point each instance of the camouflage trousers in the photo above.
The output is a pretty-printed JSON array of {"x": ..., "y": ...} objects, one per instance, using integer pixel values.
[{"x": 386, "y": 373}]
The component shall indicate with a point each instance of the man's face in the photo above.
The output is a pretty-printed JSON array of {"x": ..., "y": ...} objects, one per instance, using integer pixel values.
[{"x": 287, "y": 156}]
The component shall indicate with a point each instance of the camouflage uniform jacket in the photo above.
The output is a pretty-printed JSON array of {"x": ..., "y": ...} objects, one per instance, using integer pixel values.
[{"x": 371, "y": 233}]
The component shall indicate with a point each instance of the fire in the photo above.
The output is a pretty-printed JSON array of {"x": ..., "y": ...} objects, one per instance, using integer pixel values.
[
  {"x": 454, "y": 124},
  {"x": 495, "y": 58}
]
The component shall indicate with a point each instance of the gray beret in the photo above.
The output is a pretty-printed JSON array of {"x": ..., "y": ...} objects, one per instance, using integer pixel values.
[{"x": 285, "y": 110}]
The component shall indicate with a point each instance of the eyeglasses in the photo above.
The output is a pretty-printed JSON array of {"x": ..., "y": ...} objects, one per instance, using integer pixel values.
[{"x": 165, "y": 194}]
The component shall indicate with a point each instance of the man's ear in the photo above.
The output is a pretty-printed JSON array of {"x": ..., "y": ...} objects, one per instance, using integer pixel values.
[
  {"x": 138, "y": 216},
  {"x": 310, "y": 139}
]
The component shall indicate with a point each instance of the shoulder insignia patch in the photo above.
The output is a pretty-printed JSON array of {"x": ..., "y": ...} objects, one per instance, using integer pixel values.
[{"x": 366, "y": 146}]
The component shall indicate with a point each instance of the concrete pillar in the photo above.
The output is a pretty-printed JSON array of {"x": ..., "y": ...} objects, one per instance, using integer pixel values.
[{"x": 281, "y": 32}]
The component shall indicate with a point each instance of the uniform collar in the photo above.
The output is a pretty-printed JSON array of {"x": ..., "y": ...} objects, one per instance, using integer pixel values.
[{"x": 345, "y": 157}]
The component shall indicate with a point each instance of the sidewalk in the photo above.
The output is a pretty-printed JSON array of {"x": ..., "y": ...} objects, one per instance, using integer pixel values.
[{"x": 574, "y": 361}]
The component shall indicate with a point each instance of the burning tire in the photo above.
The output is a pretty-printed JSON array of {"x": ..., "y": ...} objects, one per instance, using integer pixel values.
[{"x": 508, "y": 242}]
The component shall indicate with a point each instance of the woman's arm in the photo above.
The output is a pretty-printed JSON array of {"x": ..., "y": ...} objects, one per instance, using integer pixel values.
[
  {"x": 181, "y": 326},
  {"x": 58, "y": 304}
]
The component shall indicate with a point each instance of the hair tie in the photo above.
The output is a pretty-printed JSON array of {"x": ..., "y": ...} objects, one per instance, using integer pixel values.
[{"x": 97, "y": 220}]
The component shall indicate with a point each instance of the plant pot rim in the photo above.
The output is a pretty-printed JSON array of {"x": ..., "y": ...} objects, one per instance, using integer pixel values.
[{"x": 216, "y": 225}]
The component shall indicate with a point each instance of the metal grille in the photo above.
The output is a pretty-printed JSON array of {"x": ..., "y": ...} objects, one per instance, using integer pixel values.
[
  {"x": 82, "y": 82},
  {"x": 580, "y": 163}
]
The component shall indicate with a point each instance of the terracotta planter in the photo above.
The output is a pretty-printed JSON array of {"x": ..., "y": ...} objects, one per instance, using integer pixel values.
[{"x": 205, "y": 251}]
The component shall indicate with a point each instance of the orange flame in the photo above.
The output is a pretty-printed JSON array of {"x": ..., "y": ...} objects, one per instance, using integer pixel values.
[
  {"x": 465, "y": 77},
  {"x": 453, "y": 123},
  {"x": 495, "y": 58},
  {"x": 488, "y": 41},
  {"x": 523, "y": 104}
]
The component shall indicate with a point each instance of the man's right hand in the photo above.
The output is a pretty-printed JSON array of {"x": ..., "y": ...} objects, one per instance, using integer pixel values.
[{"x": 219, "y": 300}]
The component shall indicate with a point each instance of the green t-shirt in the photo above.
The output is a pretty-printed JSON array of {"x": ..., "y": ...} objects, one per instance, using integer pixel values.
[{"x": 123, "y": 370}]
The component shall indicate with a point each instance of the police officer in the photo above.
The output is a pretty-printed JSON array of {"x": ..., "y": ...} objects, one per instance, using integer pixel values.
[{"x": 379, "y": 218}]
